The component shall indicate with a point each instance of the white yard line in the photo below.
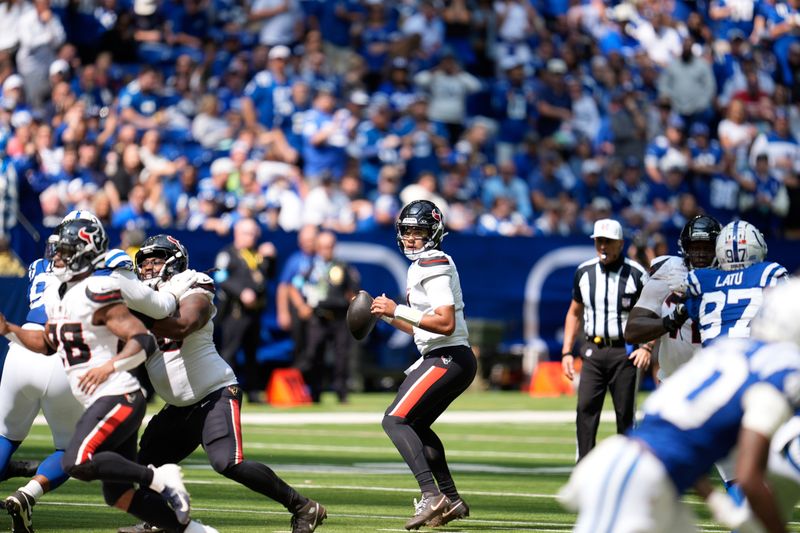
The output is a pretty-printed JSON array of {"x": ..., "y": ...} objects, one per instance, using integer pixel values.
[{"x": 451, "y": 417}]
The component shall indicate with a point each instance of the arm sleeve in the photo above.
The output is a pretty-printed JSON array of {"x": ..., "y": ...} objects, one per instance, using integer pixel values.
[
  {"x": 653, "y": 295},
  {"x": 142, "y": 298},
  {"x": 439, "y": 291}
]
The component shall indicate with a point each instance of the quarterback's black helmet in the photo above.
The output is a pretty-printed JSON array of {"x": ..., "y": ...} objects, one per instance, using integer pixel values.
[
  {"x": 167, "y": 248},
  {"x": 425, "y": 215},
  {"x": 81, "y": 245},
  {"x": 699, "y": 240}
]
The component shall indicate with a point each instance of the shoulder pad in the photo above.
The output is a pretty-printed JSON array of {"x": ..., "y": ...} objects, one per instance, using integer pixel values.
[
  {"x": 37, "y": 267},
  {"x": 103, "y": 290},
  {"x": 204, "y": 282},
  {"x": 118, "y": 259},
  {"x": 661, "y": 267}
]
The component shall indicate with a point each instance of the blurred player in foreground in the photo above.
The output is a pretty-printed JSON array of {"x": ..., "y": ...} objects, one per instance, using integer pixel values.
[{"x": 735, "y": 392}]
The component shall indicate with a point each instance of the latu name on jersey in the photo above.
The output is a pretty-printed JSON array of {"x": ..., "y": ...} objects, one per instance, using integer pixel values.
[{"x": 723, "y": 302}]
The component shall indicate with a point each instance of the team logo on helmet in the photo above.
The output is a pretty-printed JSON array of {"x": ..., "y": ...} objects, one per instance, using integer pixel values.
[
  {"x": 437, "y": 216},
  {"x": 84, "y": 236}
]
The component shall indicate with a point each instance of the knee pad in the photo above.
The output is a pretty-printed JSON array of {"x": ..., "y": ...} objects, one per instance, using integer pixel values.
[
  {"x": 84, "y": 471},
  {"x": 112, "y": 492}
]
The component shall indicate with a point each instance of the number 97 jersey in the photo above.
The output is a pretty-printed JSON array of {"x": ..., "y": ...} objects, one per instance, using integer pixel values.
[
  {"x": 81, "y": 344},
  {"x": 723, "y": 302}
]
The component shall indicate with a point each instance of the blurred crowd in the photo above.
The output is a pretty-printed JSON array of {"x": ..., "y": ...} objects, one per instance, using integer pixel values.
[{"x": 516, "y": 117}]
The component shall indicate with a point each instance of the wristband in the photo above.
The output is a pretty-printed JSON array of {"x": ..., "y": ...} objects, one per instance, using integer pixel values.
[
  {"x": 646, "y": 347},
  {"x": 571, "y": 354},
  {"x": 408, "y": 314},
  {"x": 129, "y": 363},
  {"x": 387, "y": 319},
  {"x": 12, "y": 337}
]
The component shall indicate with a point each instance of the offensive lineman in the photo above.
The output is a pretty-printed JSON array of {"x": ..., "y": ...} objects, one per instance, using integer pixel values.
[
  {"x": 86, "y": 320},
  {"x": 650, "y": 319},
  {"x": 435, "y": 317},
  {"x": 33, "y": 381},
  {"x": 202, "y": 395}
]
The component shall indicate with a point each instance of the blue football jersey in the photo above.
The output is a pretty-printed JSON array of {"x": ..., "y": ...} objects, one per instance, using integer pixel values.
[
  {"x": 723, "y": 302},
  {"x": 694, "y": 418}
]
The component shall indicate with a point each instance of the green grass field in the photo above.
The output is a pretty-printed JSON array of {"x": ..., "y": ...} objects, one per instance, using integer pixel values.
[{"x": 507, "y": 472}]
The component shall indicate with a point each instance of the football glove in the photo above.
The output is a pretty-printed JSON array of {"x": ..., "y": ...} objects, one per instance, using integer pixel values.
[
  {"x": 180, "y": 283},
  {"x": 675, "y": 320}
]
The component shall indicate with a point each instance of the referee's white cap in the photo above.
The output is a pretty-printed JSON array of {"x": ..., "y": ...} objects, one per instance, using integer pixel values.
[{"x": 608, "y": 228}]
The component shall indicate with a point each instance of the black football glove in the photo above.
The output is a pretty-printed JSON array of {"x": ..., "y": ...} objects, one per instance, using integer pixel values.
[{"x": 676, "y": 318}]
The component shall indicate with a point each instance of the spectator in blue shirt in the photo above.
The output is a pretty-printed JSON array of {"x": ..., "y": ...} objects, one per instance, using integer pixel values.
[
  {"x": 513, "y": 103},
  {"x": 375, "y": 144},
  {"x": 508, "y": 184},
  {"x": 324, "y": 140},
  {"x": 139, "y": 101},
  {"x": 503, "y": 219},
  {"x": 398, "y": 88},
  {"x": 133, "y": 215},
  {"x": 268, "y": 91},
  {"x": 765, "y": 201},
  {"x": 554, "y": 105}
]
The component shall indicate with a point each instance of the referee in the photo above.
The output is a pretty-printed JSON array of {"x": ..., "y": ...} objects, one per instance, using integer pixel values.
[{"x": 603, "y": 293}]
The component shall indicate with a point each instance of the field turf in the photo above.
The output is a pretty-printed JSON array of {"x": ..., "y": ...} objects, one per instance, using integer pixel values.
[{"x": 508, "y": 472}]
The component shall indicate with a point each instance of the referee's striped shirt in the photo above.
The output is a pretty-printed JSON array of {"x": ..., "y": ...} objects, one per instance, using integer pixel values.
[{"x": 607, "y": 293}]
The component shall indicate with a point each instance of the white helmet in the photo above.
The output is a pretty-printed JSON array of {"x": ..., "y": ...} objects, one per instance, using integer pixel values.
[
  {"x": 740, "y": 245},
  {"x": 776, "y": 321}
]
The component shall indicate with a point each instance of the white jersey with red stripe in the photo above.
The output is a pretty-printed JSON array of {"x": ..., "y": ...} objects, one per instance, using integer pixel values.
[
  {"x": 433, "y": 282},
  {"x": 674, "y": 349},
  {"x": 184, "y": 372},
  {"x": 81, "y": 344}
]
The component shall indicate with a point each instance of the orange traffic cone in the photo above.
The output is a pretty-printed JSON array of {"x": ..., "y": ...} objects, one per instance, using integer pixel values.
[
  {"x": 286, "y": 388},
  {"x": 548, "y": 380}
]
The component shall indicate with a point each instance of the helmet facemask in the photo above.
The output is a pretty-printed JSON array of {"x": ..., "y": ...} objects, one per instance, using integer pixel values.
[
  {"x": 80, "y": 246},
  {"x": 167, "y": 253}
]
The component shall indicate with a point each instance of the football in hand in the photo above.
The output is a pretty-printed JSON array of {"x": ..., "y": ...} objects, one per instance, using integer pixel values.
[{"x": 359, "y": 319}]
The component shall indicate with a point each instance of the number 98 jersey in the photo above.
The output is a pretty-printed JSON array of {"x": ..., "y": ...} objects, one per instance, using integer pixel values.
[
  {"x": 80, "y": 343},
  {"x": 723, "y": 302}
]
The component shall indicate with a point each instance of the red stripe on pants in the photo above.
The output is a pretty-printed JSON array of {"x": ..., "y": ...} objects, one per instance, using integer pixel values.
[
  {"x": 431, "y": 376},
  {"x": 238, "y": 454},
  {"x": 102, "y": 430}
]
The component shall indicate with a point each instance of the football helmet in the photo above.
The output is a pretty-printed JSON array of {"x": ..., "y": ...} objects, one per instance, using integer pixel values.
[
  {"x": 776, "y": 320},
  {"x": 82, "y": 245},
  {"x": 77, "y": 214},
  {"x": 425, "y": 215},
  {"x": 698, "y": 241},
  {"x": 168, "y": 248},
  {"x": 740, "y": 245}
]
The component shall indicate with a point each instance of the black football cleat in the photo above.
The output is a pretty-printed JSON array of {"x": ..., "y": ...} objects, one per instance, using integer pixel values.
[
  {"x": 142, "y": 527},
  {"x": 20, "y": 507},
  {"x": 457, "y": 510},
  {"x": 308, "y": 517},
  {"x": 20, "y": 469},
  {"x": 428, "y": 508}
]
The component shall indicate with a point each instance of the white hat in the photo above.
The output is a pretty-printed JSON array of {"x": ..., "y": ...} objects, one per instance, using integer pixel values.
[
  {"x": 59, "y": 66},
  {"x": 12, "y": 82},
  {"x": 145, "y": 8},
  {"x": 21, "y": 118},
  {"x": 610, "y": 229},
  {"x": 223, "y": 165},
  {"x": 279, "y": 52},
  {"x": 359, "y": 97}
]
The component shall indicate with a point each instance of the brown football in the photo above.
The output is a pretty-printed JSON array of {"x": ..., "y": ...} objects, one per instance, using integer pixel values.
[{"x": 359, "y": 320}]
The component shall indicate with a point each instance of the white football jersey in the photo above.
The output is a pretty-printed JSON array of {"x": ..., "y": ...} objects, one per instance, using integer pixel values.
[
  {"x": 420, "y": 295},
  {"x": 184, "y": 372},
  {"x": 677, "y": 348},
  {"x": 81, "y": 344}
]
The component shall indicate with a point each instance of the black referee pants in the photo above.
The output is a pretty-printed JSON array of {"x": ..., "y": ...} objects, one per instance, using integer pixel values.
[{"x": 604, "y": 369}]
